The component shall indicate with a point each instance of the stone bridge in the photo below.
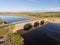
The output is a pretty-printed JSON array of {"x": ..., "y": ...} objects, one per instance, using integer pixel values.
[{"x": 18, "y": 27}]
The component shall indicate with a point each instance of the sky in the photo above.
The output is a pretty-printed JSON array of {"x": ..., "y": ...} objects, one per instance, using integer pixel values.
[{"x": 29, "y": 5}]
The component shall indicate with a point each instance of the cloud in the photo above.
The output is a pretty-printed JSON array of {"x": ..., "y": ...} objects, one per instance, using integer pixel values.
[
  {"x": 54, "y": 9},
  {"x": 57, "y": 9}
]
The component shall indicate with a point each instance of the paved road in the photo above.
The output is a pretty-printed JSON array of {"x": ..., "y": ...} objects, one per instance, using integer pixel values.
[{"x": 46, "y": 35}]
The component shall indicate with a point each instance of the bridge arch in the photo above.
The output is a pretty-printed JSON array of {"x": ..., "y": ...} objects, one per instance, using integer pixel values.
[
  {"x": 27, "y": 26},
  {"x": 36, "y": 24}
]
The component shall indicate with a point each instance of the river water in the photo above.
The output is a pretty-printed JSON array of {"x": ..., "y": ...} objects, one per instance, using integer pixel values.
[
  {"x": 10, "y": 19},
  {"x": 48, "y": 34}
]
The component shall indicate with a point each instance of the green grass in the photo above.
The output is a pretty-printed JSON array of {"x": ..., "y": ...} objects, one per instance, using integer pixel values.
[
  {"x": 17, "y": 39},
  {"x": 14, "y": 39}
]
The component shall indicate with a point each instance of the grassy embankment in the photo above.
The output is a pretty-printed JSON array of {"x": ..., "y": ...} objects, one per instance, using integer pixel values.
[{"x": 11, "y": 39}]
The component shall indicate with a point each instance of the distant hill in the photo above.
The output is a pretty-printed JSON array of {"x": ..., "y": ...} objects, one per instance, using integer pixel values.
[
  {"x": 47, "y": 14},
  {"x": 41, "y": 14}
]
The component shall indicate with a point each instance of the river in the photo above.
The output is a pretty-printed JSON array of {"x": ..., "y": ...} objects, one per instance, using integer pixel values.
[{"x": 11, "y": 19}]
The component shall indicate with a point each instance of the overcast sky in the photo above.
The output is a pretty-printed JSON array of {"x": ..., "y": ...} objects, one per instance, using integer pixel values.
[{"x": 29, "y": 5}]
